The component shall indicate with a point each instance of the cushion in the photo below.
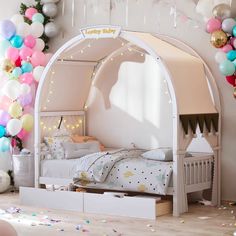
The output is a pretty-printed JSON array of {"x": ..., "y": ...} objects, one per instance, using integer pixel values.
[
  {"x": 159, "y": 154},
  {"x": 76, "y": 150},
  {"x": 55, "y": 146},
  {"x": 83, "y": 139}
]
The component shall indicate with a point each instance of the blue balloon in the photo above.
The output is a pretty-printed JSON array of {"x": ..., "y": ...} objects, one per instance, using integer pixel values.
[
  {"x": 2, "y": 131},
  {"x": 38, "y": 17},
  {"x": 26, "y": 67},
  {"x": 17, "y": 72},
  {"x": 227, "y": 68},
  {"x": 231, "y": 55},
  {"x": 4, "y": 144},
  {"x": 234, "y": 31},
  {"x": 7, "y": 29},
  {"x": 17, "y": 41}
]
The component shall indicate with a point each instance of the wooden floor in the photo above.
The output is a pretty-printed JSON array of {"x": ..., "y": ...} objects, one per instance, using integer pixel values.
[{"x": 201, "y": 220}]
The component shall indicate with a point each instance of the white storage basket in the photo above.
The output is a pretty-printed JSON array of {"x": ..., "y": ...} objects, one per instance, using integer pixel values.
[{"x": 23, "y": 169}]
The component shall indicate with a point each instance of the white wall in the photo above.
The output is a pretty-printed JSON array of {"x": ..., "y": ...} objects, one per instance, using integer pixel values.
[{"x": 143, "y": 15}]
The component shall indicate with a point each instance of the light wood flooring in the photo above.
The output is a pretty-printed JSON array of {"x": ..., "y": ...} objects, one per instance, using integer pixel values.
[{"x": 201, "y": 220}]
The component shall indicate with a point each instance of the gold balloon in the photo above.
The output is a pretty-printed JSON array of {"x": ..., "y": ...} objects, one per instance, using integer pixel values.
[
  {"x": 8, "y": 66},
  {"x": 222, "y": 11},
  {"x": 219, "y": 38}
]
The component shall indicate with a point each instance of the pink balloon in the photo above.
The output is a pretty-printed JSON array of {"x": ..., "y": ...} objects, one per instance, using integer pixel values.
[
  {"x": 25, "y": 100},
  {"x": 27, "y": 78},
  {"x": 48, "y": 57},
  {"x": 12, "y": 53},
  {"x": 23, "y": 135},
  {"x": 212, "y": 25},
  {"x": 38, "y": 59},
  {"x": 5, "y": 103},
  {"x": 227, "y": 48},
  {"x": 27, "y": 110},
  {"x": 30, "y": 12},
  {"x": 30, "y": 41},
  {"x": 25, "y": 53}
]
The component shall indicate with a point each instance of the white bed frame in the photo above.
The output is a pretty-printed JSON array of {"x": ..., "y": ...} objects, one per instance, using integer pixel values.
[{"x": 196, "y": 167}]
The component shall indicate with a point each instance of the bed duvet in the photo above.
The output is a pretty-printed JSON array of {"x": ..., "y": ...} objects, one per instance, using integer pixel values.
[{"x": 123, "y": 170}]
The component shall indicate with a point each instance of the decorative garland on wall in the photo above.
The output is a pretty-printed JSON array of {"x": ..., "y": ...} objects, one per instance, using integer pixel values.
[
  {"x": 222, "y": 28},
  {"x": 23, "y": 53}
]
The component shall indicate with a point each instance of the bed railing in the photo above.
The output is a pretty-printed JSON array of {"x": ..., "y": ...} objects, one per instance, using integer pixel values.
[{"x": 198, "y": 173}]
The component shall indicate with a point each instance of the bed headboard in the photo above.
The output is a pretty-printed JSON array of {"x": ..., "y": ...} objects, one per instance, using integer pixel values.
[{"x": 72, "y": 122}]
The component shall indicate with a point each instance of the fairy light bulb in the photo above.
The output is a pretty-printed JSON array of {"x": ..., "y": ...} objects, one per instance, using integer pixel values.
[
  {"x": 89, "y": 45},
  {"x": 130, "y": 49},
  {"x": 142, "y": 54},
  {"x": 53, "y": 72},
  {"x": 50, "y": 92},
  {"x": 123, "y": 44},
  {"x": 121, "y": 53},
  {"x": 112, "y": 59},
  {"x": 82, "y": 51}
]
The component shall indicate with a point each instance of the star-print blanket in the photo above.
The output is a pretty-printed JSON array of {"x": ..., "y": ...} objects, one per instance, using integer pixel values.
[{"x": 124, "y": 170}]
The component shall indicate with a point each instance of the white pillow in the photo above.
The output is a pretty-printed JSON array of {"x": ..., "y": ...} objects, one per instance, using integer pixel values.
[
  {"x": 76, "y": 150},
  {"x": 55, "y": 145},
  {"x": 159, "y": 154}
]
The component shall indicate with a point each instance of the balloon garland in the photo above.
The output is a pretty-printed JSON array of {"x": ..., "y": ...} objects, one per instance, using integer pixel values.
[
  {"x": 23, "y": 57},
  {"x": 222, "y": 28}
]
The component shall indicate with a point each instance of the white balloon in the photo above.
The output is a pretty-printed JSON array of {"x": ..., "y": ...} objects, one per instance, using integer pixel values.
[
  {"x": 234, "y": 43},
  {"x": 37, "y": 29},
  {"x": 39, "y": 46},
  {"x": 14, "y": 126},
  {"x": 25, "y": 89},
  {"x": 4, "y": 181},
  {"x": 12, "y": 89},
  {"x": 17, "y": 19},
  {"x": 37, "y": 73},
  {"x": 204, "y": 7},
  {"x": 220, "y": 57},
  {"x": 49, "y": 1},
  {"x": 23, "y": 29},
  {"x": 28, "y": 2}
]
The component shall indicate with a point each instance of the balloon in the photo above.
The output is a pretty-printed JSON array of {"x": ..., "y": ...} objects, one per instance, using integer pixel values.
[
  {"x": 228, "y": 25},
  {"x": 12, "y": 53},
  {"x": 17, "y": 19},
  {"x": 27, "y": 122},
  {"x": 26, "y": 67},
  {"x": 5, "y": 102},
  {"x": 213, "y": 25},
  {"x": 30, "y": 12},
  {"x": 4, "y": 117},
  {"x": 227, "y": 68},
  {"x": 38, "y": 71},
  {"x": 16, "y": 41},
  {"x": 222, "y": 11},
  {"x": 23, "y": 29},
  {"x": 220, "y": 57},
  {"x": 51, "y": 30},
  {"x": 30, "y": 41},
  {"x": 227, "y": 48},
  {"x": 27, "y": 78},
  {"x": 2, "y": 131},
  {"x": 14, "y": 126},
  {"x": 7, "y": 65},
  {"x": 4, "y": 45},
  {"x": 25, "y": 53},
  {"x": 15, "y": 110},
  {"x": 38, "y": 17},
  {"x": 40, "y": 45},
  {"x": 234, "y": 31},
  {"x": 18, "y": 62},
  {"x": 17, "y": 72},
  {"x": 4, "y": 147},
  {"x": 231, "y": 80},
  {"x": 37, "y": 29},
  {"x": 38, "y": 59},
  {"x": 48, "y": 57},
  {"x": 218, "y": 38},
  {"x": 25, "y": 89},
  {"x": 231, "y": 55},
  {"x": 49, "y": 1},
  {"x": 12, "y": 89},
  {"x": 23, "y": 135},
  {"x": 25, "y": 100},
  {"x": 50, "y": 9},
  {"x": 7, "y": 29}
]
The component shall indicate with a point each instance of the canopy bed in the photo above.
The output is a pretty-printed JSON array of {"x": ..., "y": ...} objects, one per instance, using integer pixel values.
[{"x": 94, "y": 86}]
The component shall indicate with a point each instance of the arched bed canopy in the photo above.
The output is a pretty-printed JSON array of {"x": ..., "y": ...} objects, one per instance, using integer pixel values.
[{"x": 100, "y": 52}]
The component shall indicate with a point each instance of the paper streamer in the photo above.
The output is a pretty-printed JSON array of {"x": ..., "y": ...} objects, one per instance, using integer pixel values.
[{"x": 73, "y": 13}]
